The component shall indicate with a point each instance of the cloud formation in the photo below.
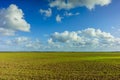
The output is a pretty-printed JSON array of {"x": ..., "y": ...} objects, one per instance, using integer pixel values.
[
  {"x": 94, "y": 38},
  {"x": 70, "y": 4},
  {"x": 34, "y": 44},
  {"x": 89, "y": 39},
  {"x": 24, "y": 43},
  {"x": 7, "y": 32},
  {"x": 59, "y": 18},
  {"x": 27, "y": 42},
  {"x": 46, "y": 13},
  {"x": 21, "y": 40},
  {"x": 12, "y": 20},
  {"x": 71, "y": 14}
]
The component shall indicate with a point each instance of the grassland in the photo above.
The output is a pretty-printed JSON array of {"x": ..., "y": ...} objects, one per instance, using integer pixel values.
[{"x": 59, "y": 66}]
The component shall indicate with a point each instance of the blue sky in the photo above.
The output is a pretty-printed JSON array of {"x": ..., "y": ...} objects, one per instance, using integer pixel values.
[{"x": 59, "y": 25}]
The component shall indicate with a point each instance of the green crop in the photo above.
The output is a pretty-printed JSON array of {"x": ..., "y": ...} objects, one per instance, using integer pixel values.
[{"x": 59, "y": 66}]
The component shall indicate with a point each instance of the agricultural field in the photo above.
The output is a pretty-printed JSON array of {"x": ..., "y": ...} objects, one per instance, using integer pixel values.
[{"x": 59, "y": 66}]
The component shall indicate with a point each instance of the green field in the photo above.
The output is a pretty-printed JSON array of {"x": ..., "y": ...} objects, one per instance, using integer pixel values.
[{"x": 59, "y": 66}]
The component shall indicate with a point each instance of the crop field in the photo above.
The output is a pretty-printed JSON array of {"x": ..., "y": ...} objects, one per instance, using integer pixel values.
[{"x": 59, "y": 66}]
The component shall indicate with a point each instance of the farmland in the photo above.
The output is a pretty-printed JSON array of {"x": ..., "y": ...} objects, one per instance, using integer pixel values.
[{"x": 59, "y": 66}]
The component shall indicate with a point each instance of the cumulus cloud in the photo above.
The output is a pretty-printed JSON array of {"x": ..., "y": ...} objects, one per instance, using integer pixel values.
[
  {"x": 59, "y": 18},
  {"x": 12, "y": 20},
  {"x": 27, "y": 42},
  {"x": 69, "y": 4},
  {"x": 36, "y": 44},
  {"x": 23, "y": 43},
  {"x": 71, "y": 14},
  {"x": 51, "y": 44},
  {"x": 7, "y": 32},
  {"x": 89, "y": 39},
  {"x": 47, "y": 13},
  {"x": 50, "y": 41},
  {"x": 21, "y": 40},
  {"x": 8, "y": 42},
  {"x": 94, "y": 38}
]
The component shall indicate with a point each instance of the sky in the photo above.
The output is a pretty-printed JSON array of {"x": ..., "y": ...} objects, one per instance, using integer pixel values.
[{"x": 59, "y": 25}]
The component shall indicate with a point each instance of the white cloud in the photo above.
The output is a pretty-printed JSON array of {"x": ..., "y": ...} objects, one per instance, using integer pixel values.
[
  {"x": 71, "y": 14},
  {"x": 23, "y": 43},
  {"x": 21, "y": 40},
  {"x": 50, "y": 41},
  {"x": 69, "y": 4},
  {"x": 64, "y": 37},
  {"x": 27, "y": 42},
  {"x": 60, "y": 4},
  {"x": 51, "y": 44},
  {"x": 92, "y": 38},
  {"x": 7, "y": 32},
  {"x": 36, "y": 44},
  {"x": 47, "y": 13},
  {"x": 12, "y": 20},
  {"x": 59, "y": 18},
  {"x": 89, "y": 39},
  {"x": 8, "y": 42}
]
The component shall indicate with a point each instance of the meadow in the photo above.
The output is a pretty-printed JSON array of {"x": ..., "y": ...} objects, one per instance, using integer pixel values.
[{"x": 59, "y": 66}]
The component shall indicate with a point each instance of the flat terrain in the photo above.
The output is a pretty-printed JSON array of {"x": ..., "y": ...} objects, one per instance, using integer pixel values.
[{"x": 59, "y": 66}]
